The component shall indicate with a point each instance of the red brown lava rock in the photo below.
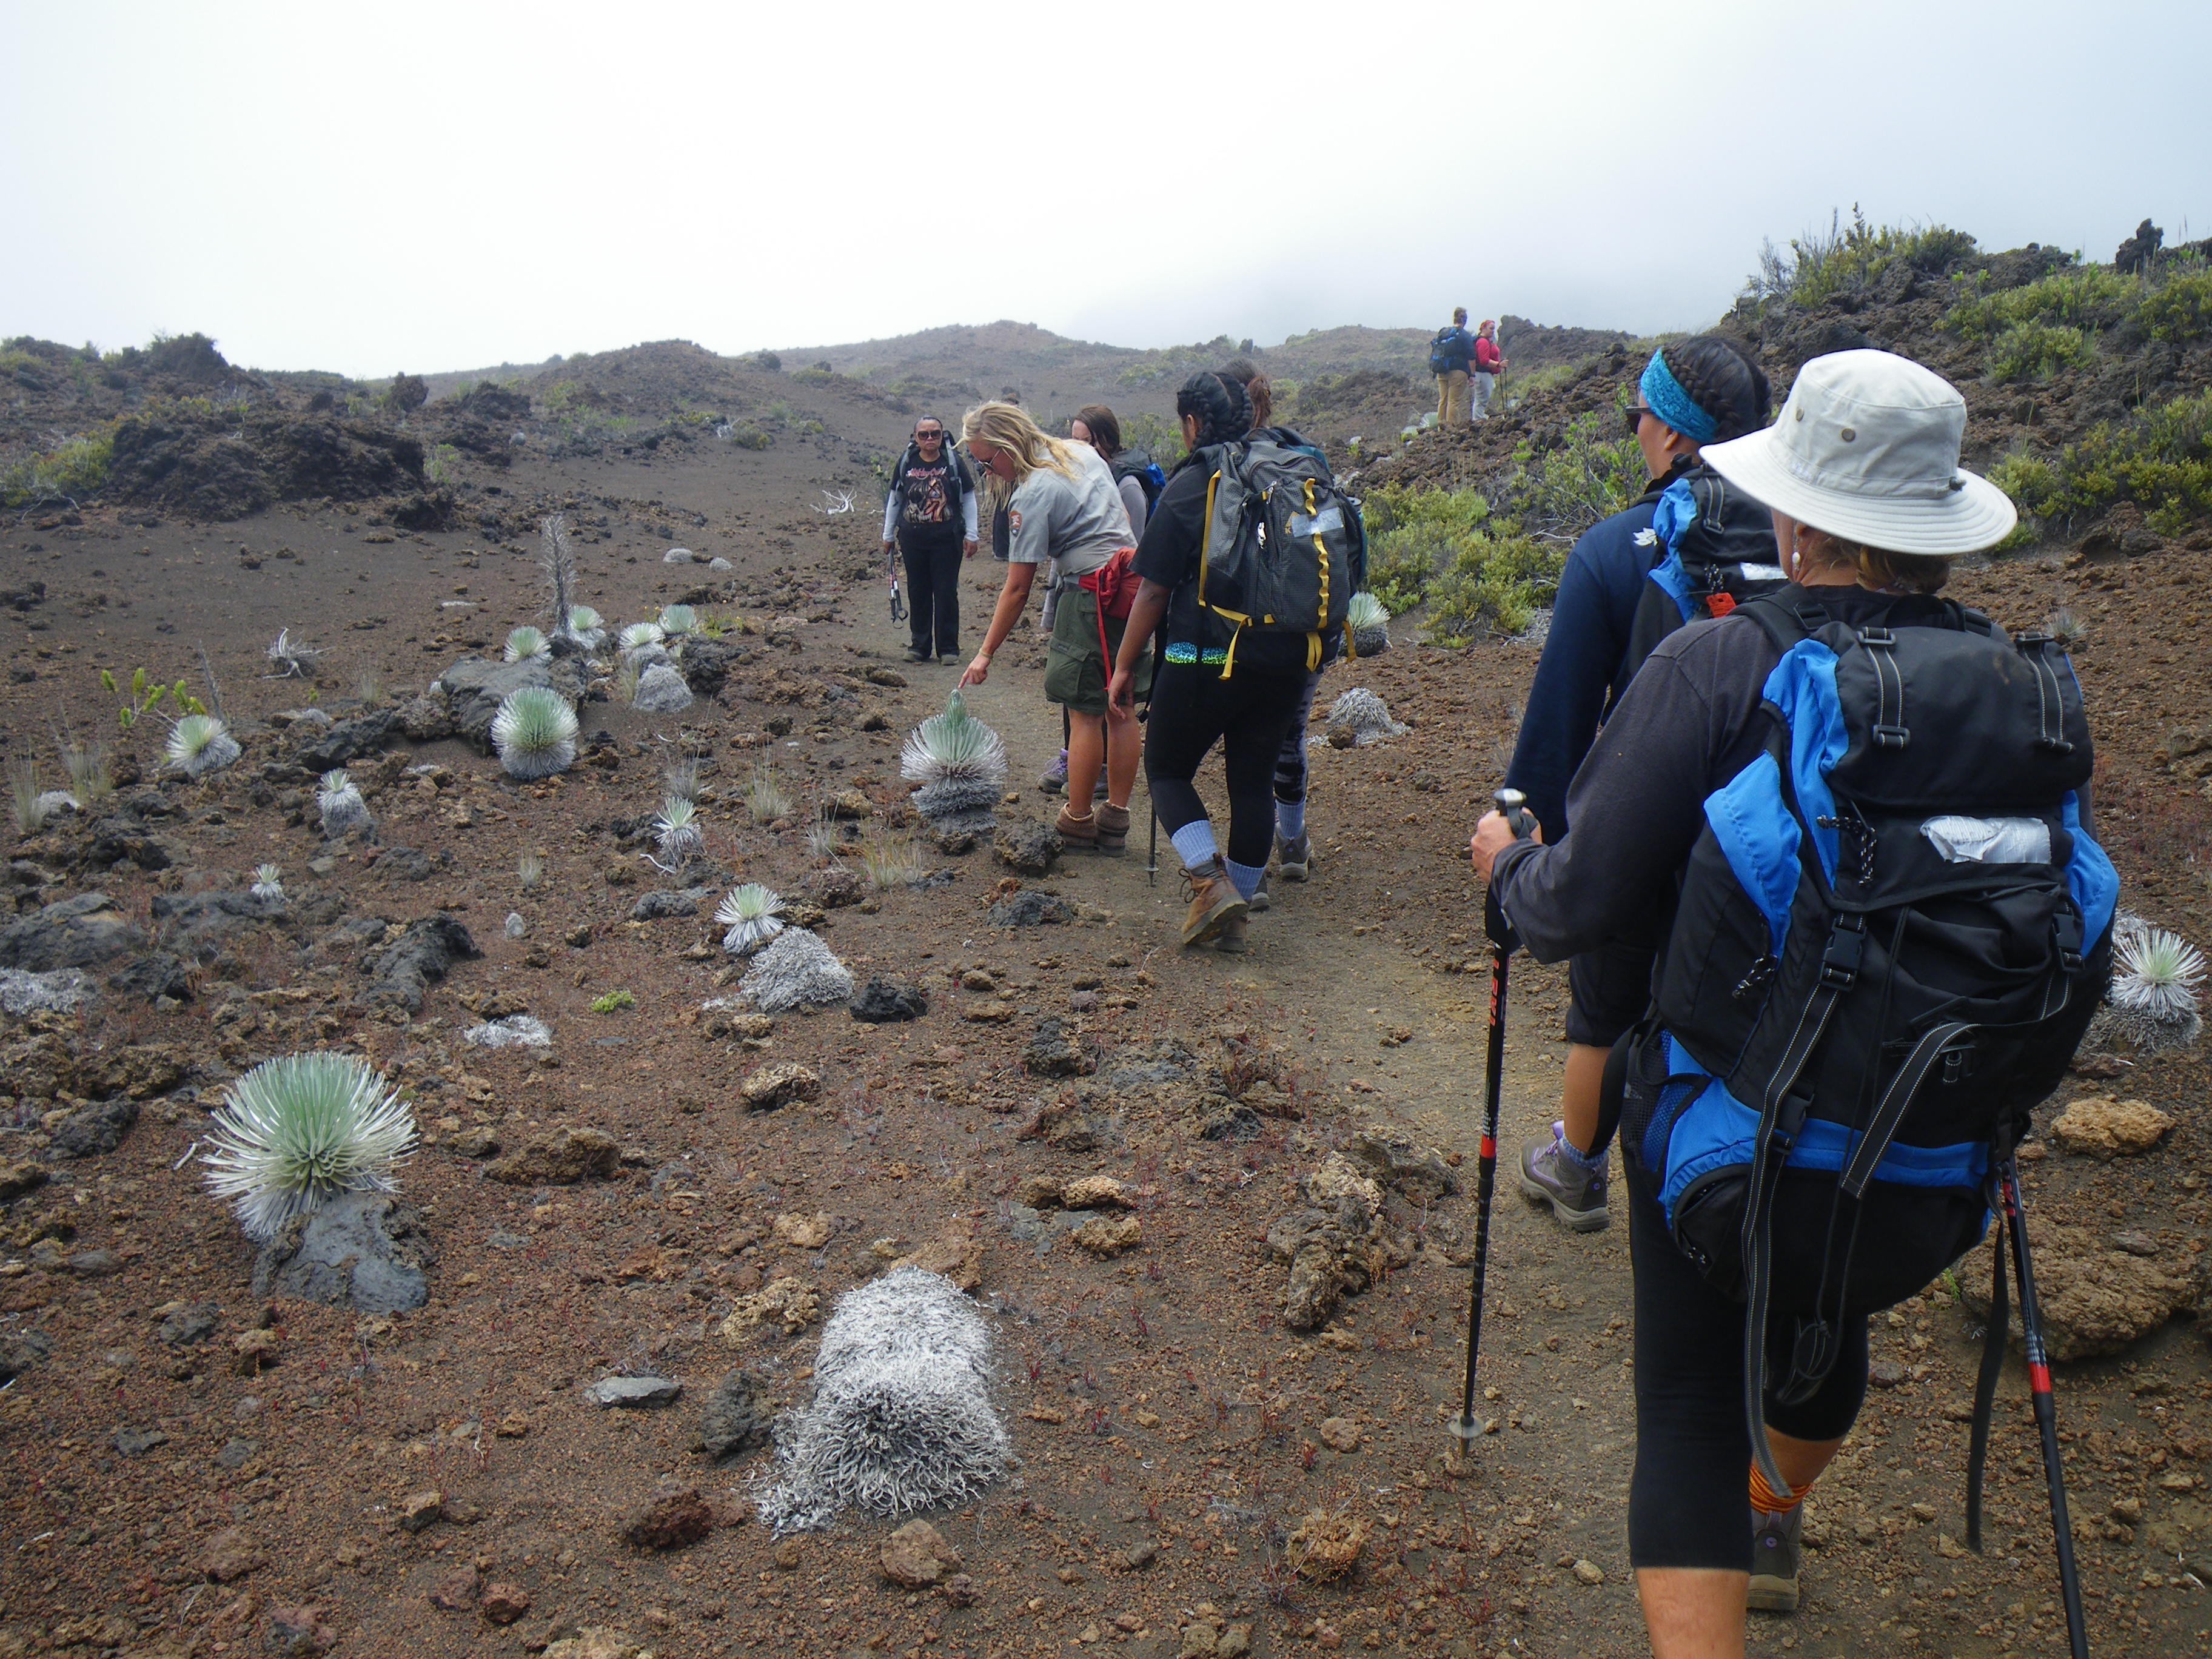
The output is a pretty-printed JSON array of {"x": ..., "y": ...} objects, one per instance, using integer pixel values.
[{"x": 671, "y": 1518}]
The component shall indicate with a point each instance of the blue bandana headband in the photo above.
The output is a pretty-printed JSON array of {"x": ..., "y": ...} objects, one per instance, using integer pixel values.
[{"x": 1664, "y": 395}]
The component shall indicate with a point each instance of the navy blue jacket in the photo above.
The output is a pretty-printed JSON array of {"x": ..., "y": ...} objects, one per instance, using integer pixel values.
[{"x": 1584, "y": 670}]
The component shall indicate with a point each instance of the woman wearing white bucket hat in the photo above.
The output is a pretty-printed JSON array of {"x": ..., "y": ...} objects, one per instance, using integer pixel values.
[{"x": 1861, "y": 472}]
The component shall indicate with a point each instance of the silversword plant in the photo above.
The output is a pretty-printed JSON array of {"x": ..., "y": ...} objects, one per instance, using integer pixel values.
[
  {"x": 676, "y": 831},
  {"x": 638, "y": 635},
  {"x": 296, "y": 1131},
  {"x": 294, "y": 659},
  {"x": 529, "y": 869},
  {"x": 201, "y": 744},
  {"x": 268, "y": 882},
  {"x": 2154, "y": 982},
  {"x": 585, "y": 626},
  {"x": 753, "y": 914},
  {"x": 535, "y": 732},
  {"x": 526, "y": 642},
  {"x": 959, "y": 761},
  {"x": 339, "y": 800},
  {"x": 678, "y": 619}
]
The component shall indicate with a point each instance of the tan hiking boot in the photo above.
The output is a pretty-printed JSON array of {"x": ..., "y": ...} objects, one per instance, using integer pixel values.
[
  {"x": 1213, "y": 901},
  {"x": 1113, "y": 827},
  {"x": 1231, "y": 938},
  {"x": 1078, "y": 832}
]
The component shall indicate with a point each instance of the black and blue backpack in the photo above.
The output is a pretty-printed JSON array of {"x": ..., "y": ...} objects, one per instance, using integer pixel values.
[
  {"x": 1717, "y": 551},
  {"x": 1138, "y": 464},
  {"x": 1452, "y": 348},
  {"x": 1890, "y": 936}
]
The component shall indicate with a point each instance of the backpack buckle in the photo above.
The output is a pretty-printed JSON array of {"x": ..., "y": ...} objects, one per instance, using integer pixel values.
[
  {"x": 1839, "y": 960},
  {"x": 1958, "y": 1063},
  {"x": 1896, "y": 736},
  {"x": 1879, "y": 638}
]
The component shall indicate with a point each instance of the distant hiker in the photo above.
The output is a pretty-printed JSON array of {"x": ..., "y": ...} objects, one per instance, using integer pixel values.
[
  {"x": 1836, "y": 946},
  {"x": 1709, "y": 389},
  {"x": 1138, "y": 478},
  {"x": 930, "y": 516},
  {"x": 1227, "y": 675},
  {"x": 1488, "y": 364},
  {"x": 1451, "y": 354},
  {"x": 1293, "y": 859},
  {"x": 1063, "y": 509}
]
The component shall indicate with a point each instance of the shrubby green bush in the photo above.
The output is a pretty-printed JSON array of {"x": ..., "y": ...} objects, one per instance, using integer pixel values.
[
  {"x": 2090, "y": 297},
  {"x": 2035, "y": 351},
  {"x": 75, "y": 468},
  {"x": 1589, "y": 476},
  {"x": 2181, "y": 310},
  {"x": 2161, "y": 459},
  {"x": 1493, "y": 582},
  {"x": 1849, "y": 259},
  {"x": 1413, "y": 535}
]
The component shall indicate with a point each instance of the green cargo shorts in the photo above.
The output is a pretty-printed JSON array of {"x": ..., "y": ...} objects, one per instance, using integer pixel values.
[{"x": 1076, "y": 671}]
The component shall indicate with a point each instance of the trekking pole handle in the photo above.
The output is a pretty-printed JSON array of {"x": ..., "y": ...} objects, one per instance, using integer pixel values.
[{"x": 1514, "y": 806}]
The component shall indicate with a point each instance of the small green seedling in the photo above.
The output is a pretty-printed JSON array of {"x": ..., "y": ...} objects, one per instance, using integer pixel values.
[
  {"x": 146, "y": 695},
  {"x": 613, "y": 999}
]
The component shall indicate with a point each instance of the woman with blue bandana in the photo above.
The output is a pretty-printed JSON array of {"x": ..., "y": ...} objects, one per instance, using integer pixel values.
[{"x": 1693, "y": 392}]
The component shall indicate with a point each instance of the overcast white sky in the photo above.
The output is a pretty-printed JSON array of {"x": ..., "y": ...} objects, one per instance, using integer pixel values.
[{"x": 431, "y": 187}]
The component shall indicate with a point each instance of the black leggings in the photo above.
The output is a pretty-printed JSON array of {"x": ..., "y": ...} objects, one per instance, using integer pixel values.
[
  {"x": 1689, "y": 1503},
  {"x": 1193, "y": 708},
  {"x": 1291, "y": 762},
  {"x": 931, "y": 555}
]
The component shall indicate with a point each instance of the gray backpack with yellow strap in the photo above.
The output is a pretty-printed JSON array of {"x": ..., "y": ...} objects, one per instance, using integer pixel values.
[{"x": 1284, "y": 548}]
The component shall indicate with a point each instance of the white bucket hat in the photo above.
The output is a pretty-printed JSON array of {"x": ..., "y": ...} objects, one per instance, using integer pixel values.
[{"x": 1867, "y": 448}]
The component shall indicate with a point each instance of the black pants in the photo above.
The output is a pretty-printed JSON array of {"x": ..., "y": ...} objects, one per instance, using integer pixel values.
[
  {"x": 1689, "y": 1505},
  {"x": 1291, "y": 762},
  {"x": 1193, "y": 709},
  {"x": 932, "y": 554}
]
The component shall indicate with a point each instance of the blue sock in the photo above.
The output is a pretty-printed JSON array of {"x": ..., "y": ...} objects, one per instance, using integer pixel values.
[
  {"x": 1290, "y": 819},
  {"x": 1193, "y": 843},
  {"x": 1575, "y": 1154},
  {"x": 1246, "y": 877}
]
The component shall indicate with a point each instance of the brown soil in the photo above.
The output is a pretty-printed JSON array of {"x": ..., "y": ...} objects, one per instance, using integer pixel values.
[{"x": 1157, "y": 1397}]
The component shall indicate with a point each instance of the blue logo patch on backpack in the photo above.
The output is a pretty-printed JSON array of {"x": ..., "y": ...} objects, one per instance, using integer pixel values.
[{"x": 1892, "y": 931}]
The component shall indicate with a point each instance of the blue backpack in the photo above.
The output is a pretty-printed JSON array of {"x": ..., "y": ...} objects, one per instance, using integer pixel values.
[
  {"x": 1452, "y": 348},
  {"x": 1891, "y": 934}
]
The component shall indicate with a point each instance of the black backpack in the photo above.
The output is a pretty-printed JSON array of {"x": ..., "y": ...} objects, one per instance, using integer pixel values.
[
  {"x": 1452, "y": 348},
  {"x": 1716, "y": 551},
  {"x": 1283, "y": 549},
  {"x": 1890, "y": 936},
  {"x": 1136, "y": 464},
  {"x": 963, "y": 480}
]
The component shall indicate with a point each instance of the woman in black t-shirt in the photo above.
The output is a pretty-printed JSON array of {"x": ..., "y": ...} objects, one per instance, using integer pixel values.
[{"x": 1193, "y": 705}]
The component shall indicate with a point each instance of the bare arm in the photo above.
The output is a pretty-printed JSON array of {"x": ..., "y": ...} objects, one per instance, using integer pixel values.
[{"x": 1008, "y": 611}]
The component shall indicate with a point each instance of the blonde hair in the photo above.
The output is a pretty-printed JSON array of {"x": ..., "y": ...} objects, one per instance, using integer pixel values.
[
  {"x": 1878, "y": 567},
  {"x": 1008, "y": 426}
]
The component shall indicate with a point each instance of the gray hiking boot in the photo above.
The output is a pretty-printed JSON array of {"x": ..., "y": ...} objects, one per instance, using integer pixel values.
[
  {"x": 1776, "y": 1545},
  {"x": 1577, "y": 1195},
  {"x": 1258, "y": 901},
  {"x": 1055, "y": 777},
  {"x": 1294, "y": 858}
]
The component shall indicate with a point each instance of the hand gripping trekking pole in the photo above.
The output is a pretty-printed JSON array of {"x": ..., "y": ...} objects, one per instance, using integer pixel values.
[
  {"x": 1466, "y": 1426},
  {"x": 2015, "y": 1221},
  {"x": 898, "y": 606}
]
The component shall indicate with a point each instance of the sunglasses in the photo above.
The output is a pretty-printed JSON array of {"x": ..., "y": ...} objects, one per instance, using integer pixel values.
[
  {"x": 924, "y": 437},
  {"x": 1635, "y": 416}
]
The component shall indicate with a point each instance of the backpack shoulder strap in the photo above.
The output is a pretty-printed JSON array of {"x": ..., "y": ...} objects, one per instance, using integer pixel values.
[{"x": 1788, "y": 615}]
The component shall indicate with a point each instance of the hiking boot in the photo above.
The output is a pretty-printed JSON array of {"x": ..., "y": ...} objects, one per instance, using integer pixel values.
[
  {"x": 1113, "y": 824},
  {"x": 917, "y": 654},
  {"x": 1213, "y": 901},
  {"x": 1080, "y": 833},
  {"x": 1231, "y": 938},
  {"x": 1055, "y": 780},
  {"x": 1577, "y": 1195},
  {"x": 1258, "y": 901},
  {"x": 1776, "y": 1548},
  {"x": 1294, "y": 858},
  {"x": 947, "y": 658}
]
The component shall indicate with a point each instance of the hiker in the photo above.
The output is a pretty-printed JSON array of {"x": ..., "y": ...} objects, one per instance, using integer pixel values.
[
  {"x": 1293, "y": 859},
  {"x": 1139, "y": 479},
  {"x": 1221, "y": 680},
  {"x": 1918, "y": 696},
  {"x": 930, "y": 516},
  {"x": 1451, "y": 353},
  {"x": 1064, "y": 510},
  {"x": 1709, "y": 389},
  {"x": 1487, "y": 365}
]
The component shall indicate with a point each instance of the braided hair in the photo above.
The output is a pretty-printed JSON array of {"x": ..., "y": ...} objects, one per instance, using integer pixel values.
[
  {"x": 1724, "y": 380},
  {"x": 1222, "y": 407}
]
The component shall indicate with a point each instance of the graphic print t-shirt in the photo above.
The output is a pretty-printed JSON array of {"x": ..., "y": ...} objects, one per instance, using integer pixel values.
[{"x": 928, "y": 492}]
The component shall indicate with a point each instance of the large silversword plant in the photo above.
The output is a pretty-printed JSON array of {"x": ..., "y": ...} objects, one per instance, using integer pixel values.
[
  {"x": 298, "y": 1131},
  {"x": 535, "y": 732},
  {"x": 959, "y": 761}
]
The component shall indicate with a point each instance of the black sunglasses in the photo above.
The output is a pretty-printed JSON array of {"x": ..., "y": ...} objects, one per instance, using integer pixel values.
[
  {"x": 1635, "y": 416},
  {"x": 934, "y": 432}
]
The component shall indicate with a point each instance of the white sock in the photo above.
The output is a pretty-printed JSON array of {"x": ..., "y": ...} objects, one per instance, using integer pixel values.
[
  {"x": 1290, "y": 819},
  {"x": 1193, "y": 843},
  {"x": 1246, "y": 877}
]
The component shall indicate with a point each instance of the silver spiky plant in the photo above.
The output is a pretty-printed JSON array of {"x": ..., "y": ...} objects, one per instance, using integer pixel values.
[
  {"x": 901, "y": 1419},
  {"x": 2155, "y": 980},
  {"x": 678, "y": 619},
  {"x": 959, "y": 761},
  {"x": 556, "y": 558},
  {"x": 526, "y": 642},
  {"x": 1369, "y": 624},
  {"x": 201, "y": 744},
  {"x": 296, "y": 1131},
  {"x": 294, "y": 659},
  {"x": 339, "y": 800},
  {"x": 1364, "y": 715},
  {"x": 268, "y": 882},
  {"x": 676, "y": 831},
  {"x": 585, "y": 626},
  {"x": 753, "y": 915},
  {"x": 535, "y": 732},
  {"x": 638, "y": 635}
]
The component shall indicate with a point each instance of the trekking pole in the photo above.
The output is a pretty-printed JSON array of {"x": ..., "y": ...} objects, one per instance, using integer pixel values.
[
  {"x": 1465, "y": 1428},
  {"x": 2047, "y": 1413},
  {"x": 898, "y": 610},
  {"x": 1152, "y": 857}
]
